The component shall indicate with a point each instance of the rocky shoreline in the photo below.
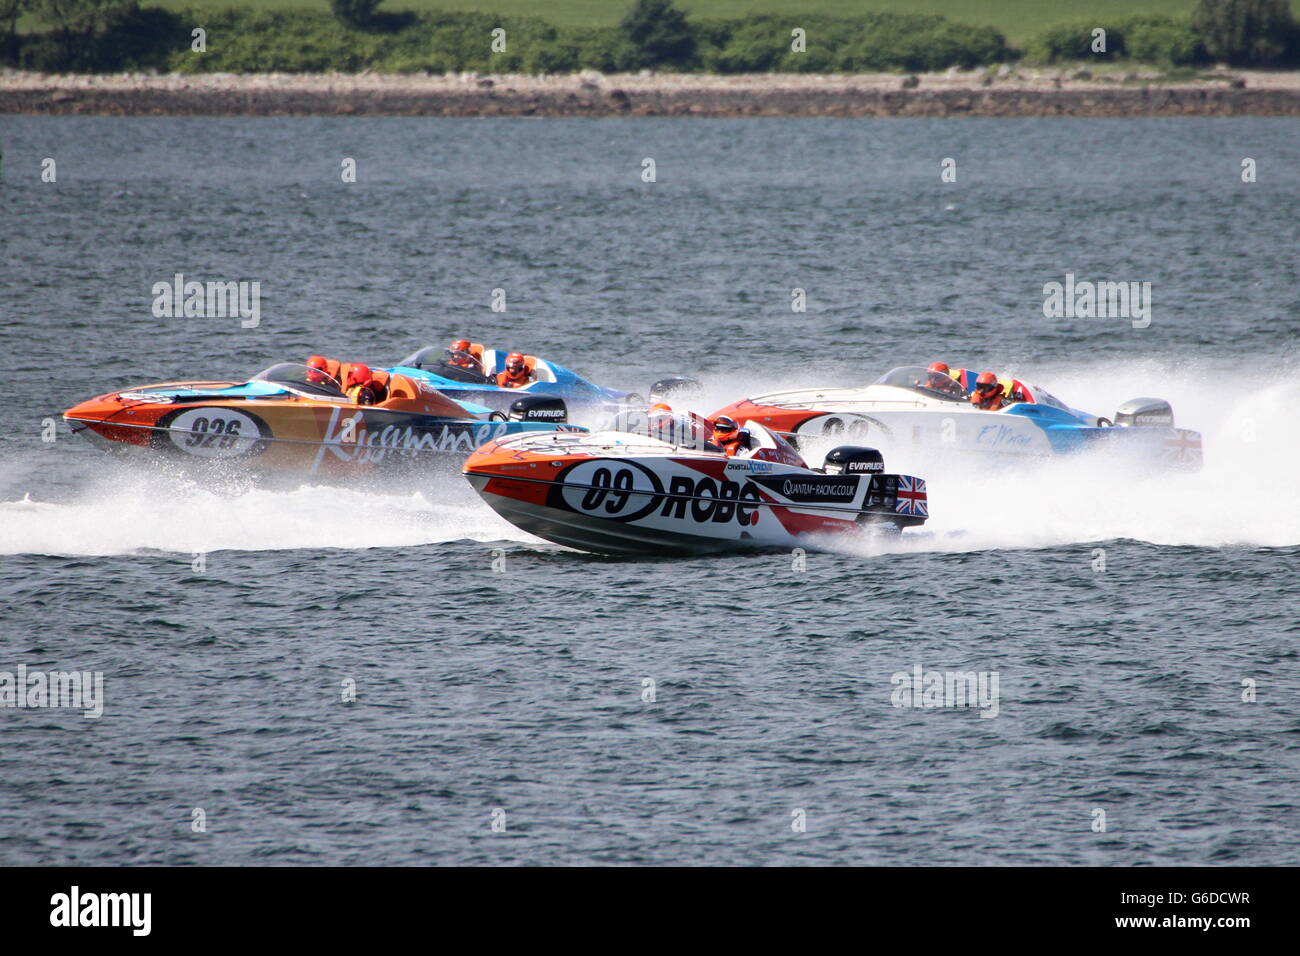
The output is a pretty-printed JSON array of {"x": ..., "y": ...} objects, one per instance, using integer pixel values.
[{"x": 955, "y": 93}]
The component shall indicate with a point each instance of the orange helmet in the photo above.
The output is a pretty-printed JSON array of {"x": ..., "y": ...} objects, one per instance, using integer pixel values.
[
  {"x": 515, "y": 362},
  {"x": 659, "y": 408},
  {"x": 358, "y": 375},
  {"x": 460, "y": 345},
  {"x": 724, "y": 425},
  {"x": 316, "y": 366},
  {"x": 986, "y": 382},
  {"x": 939, "y": 367}
]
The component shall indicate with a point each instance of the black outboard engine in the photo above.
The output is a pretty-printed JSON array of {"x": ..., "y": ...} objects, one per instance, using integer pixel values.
[
  {"x": 854, "y": 460},
  {"x": 676, "y": 385},
  {"x": 1145, "y": 411},
  {"x": 539, "y": 408}
]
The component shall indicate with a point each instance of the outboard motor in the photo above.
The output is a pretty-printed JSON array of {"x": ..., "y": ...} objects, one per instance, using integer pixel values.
[
  {"x": 539, "y": 408},
  {"x": 1145, "y": 411},
  {"x": 854, "y": 460},
  {"x": 676, "y": 385}
]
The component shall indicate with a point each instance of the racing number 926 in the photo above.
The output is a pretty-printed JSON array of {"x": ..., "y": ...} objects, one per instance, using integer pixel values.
[{"x": 217, "y": 433}]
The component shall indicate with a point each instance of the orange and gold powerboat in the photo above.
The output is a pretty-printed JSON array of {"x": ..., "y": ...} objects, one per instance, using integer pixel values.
[{"x": 295, "y": 418}]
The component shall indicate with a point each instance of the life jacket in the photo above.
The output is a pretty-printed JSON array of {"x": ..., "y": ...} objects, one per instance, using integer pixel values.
[
  {"x": 1014, "y": 390},
  {"x": 508, "y": 379},
  {"x": 993, "y": 402},
  {"x": 964, "y": 377},
  {"x": 362, "y": 394},
  {"x": 738, "y": 441}
]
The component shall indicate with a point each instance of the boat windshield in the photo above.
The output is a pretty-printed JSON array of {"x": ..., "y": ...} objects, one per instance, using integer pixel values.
[
  {"x": 1042, "y": 397},
  {"x": 925, "y": 382},
  {"x": 455, "y": 365},
  {"x": 301, "y": 378},
  {"x": 683, "y": 430}
]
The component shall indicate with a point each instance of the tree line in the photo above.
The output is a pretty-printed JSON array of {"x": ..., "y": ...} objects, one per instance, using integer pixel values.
[{"x": 117, "y": 35}]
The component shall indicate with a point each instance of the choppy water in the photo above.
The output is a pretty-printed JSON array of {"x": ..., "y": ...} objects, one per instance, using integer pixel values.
[{"x": 1120, "y": 689}]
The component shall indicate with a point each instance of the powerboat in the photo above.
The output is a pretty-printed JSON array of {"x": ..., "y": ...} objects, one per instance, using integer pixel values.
[
  {"x": 672, "y": 490},
  {"x": 913, "y": 407},
  {"x": 295, "y": 419}
]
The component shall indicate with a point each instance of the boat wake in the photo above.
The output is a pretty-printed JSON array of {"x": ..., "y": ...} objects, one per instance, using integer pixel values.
[
  {"x": 1245, "y": 496},
  {"x": 142, "y": 513}
]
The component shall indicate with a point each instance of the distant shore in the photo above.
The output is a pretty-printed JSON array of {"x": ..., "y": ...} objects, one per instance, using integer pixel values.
[{"x": 954, "y": 93}]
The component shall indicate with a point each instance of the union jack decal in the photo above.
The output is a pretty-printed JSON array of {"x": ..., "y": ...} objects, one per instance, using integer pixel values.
[{"x": 911, "y": 497}]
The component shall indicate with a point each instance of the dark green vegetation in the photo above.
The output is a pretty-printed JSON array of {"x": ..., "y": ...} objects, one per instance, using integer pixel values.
[{"x": 114, "y": 35}]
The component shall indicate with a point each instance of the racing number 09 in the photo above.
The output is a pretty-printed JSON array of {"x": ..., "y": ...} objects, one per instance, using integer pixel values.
[{"x": 618, "y": 487}]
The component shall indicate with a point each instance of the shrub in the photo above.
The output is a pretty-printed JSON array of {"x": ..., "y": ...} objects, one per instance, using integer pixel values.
[
  {"x": 1154, "y": 39},
  {"x": 354, "y": 13},
  {"x": 79, "y": 28},
  {"x": 872, "y": 42},
  {"x": 1146, "y": 38},
  {"x": 607, "y": 49},
  {"x": 1245, "y": 32},
  {"x": 1073, "y": 41},
  {"x": 244, "y": 40},
  {"x": 659, "y": 31},
  {"x": 9, "y": 11}
]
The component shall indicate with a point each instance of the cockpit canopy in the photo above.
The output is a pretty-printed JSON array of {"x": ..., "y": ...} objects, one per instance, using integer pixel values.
[
  {"x": 301, "y": 378},
  {"x": 941, "y": 386},
  {"x": 922, "y": 380},
  {"x": 454, "y": 365}
]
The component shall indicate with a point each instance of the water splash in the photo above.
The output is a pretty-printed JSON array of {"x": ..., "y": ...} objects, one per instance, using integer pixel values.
[
  {"x": 1246, "y": 495},
  {"x": 136, "y": 513}
]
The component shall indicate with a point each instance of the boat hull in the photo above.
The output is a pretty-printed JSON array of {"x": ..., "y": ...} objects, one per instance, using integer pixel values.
[
  {"x": 1016, "y": 433},
  {"x": 624, "y": 499},
  {"x": 309, "y": 438}
]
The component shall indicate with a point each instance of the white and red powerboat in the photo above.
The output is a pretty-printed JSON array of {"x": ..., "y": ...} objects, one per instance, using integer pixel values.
[{"x": 674, "y": 491}]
